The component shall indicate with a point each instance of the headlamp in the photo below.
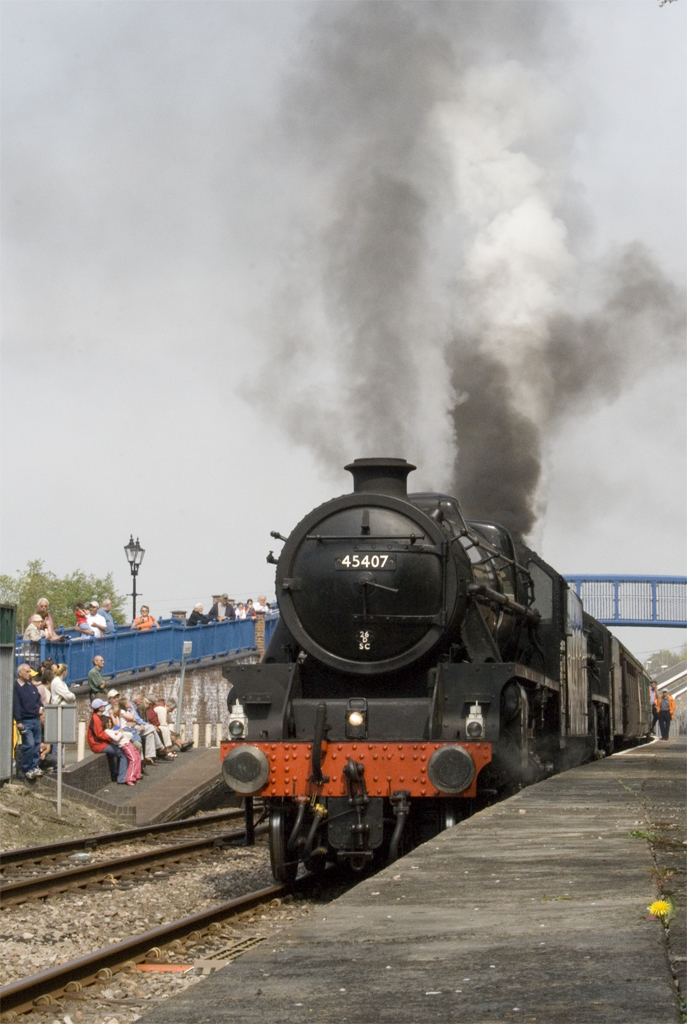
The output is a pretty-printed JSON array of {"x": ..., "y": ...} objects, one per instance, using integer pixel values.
[{"x": 356, "y": 718}]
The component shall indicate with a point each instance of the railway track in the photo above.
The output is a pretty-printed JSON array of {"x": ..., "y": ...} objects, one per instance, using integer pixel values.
[
  {"x": 33, "y": 854},
  {"x": 40, "y": 990},
  {"x": 136, "y": 865}
]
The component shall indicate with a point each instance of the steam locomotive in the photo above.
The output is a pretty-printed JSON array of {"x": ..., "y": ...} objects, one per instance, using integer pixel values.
[{"x": 422, "y": 666}]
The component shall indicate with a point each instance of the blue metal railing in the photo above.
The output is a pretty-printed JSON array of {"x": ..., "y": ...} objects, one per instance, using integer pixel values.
[
  {"x": 634, "y": 600},
  {"x": 127, "y": 650}
]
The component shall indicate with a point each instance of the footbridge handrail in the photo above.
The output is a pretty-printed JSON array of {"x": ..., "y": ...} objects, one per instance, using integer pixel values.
[{"x": 129, "y": 651}]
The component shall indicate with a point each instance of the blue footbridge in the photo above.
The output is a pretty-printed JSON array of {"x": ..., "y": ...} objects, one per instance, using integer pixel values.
[
  {"x": 633, "y": 600},
  {"x": 127, "y": 651}
]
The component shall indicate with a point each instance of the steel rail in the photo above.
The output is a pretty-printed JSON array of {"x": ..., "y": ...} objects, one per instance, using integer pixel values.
[
  {"x": 29, "y": 853},
  {"x": 22, "y": 995},
  {"x": 49, "y": 884}
]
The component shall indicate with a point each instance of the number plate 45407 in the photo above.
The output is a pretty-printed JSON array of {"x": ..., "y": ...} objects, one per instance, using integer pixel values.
[{"x": 369, "y": 560}]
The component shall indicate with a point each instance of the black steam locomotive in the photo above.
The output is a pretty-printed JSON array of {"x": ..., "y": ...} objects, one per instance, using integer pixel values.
[{"x": 422, "y": 666}]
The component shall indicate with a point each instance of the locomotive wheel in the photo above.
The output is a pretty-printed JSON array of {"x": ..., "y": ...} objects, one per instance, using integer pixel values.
[{"x": 284, "y": 862}]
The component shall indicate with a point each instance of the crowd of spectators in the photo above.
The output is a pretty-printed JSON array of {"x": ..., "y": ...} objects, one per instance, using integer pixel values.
[
  {"x": 226, "y": 608},
  {"x": 132, "y": 732},
  {"x": 95, "y": 620},
  {"x": 33, "y": 689}
]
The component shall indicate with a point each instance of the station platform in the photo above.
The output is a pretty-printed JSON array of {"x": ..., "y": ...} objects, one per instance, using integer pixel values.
[
  {"x": 535, "y": 909},
  {"x": 170, "y": 789}
]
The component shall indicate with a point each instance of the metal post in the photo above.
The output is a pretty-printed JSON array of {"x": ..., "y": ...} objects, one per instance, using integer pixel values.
[
  {"x": 186, "y": 649},
  {"x": 250, "y": 828},
  {"x": 59, "y": 761},
  {"x": 134, "y": 574},
  {"x": 81, "y": 742}
]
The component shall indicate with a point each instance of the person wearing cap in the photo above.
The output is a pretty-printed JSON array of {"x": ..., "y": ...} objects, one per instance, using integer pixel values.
[
  {"x": 100, "y": 743},
  {"x": 96, "y": 621},
  {"x": 36, "y": 630},
  {"x": 28, "y": 712},
  {"x": 96, "y": 683},
  {"x": 222, "y": 609}
]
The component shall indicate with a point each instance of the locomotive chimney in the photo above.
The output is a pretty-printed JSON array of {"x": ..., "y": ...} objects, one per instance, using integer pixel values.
[{"x": 381, "y": 476}]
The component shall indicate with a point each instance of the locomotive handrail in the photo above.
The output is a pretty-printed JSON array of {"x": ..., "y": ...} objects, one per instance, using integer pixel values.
[
  {"x": 412, "y": 537},
  {"x": 478, "y": 590}
]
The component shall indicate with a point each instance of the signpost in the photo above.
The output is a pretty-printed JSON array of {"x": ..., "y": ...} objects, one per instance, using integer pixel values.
[
  {"x": 187, "y": 648},
  {"x": 60, "y": 728}
]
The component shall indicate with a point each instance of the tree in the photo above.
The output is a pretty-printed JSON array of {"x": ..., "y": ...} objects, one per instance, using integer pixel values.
[
  {"x": 661, "y": 660},
  {"x": 26, "y": 587}
]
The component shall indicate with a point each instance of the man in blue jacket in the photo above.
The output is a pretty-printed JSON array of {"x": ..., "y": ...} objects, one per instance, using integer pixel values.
[{"x": 27, "y": 711}]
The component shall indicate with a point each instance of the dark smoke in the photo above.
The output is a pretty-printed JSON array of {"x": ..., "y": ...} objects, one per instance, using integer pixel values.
[
  {"x": 432, "y": 277},
  {"x": 499, "y": 461}
]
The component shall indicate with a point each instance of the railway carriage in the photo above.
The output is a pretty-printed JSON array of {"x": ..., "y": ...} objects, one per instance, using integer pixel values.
[{"x": 423, "y": 665}]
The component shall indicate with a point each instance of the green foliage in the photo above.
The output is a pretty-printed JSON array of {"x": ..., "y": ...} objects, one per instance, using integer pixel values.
[
  {"x": 26, "y": 588},
  {"x": 661, "y": 660}
]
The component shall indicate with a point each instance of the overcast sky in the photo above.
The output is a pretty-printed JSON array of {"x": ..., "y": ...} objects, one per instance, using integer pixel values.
[{"x": 146, "y": 218}]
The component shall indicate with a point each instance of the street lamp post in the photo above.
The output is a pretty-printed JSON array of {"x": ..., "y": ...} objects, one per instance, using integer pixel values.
[{"x": 134, "y": 556}]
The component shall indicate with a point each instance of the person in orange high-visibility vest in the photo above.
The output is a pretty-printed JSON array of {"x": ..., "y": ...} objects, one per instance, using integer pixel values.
[{"x": 665, "y": 705}]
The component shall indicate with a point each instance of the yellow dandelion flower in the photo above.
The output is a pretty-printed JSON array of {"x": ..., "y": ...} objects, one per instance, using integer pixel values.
[{"x": 660, "y": 908}]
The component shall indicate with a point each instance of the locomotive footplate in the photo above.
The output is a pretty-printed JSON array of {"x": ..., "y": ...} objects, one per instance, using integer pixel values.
[{"x": 388, "y": 767}]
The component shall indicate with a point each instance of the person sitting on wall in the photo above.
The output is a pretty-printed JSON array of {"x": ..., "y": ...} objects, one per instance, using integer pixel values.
[
  {"x": 121, "y": 738},
  {"x": 145, "y": 620},
  {"x": 162, "y": 708},
  {"x": 123, "y": 720},
  {"x": 222, "y": 609},
  {"x": 139, "y": 707},
  {"x": 196, "y": 617},
  {"x": 164, "y": 731},
  {"x": 100, "y": 743}
]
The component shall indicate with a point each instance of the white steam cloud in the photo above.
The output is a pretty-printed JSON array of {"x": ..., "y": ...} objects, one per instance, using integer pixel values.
[{"x": 438, "y": 301}]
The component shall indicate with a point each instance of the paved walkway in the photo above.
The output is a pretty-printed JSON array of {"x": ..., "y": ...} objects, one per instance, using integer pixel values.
[{"x": 533, "y": 910}]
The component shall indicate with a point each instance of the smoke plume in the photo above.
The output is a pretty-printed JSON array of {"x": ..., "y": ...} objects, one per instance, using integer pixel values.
[{"x": 439, "y": 301}]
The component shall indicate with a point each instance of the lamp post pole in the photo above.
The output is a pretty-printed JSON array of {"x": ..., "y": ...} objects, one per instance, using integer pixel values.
[{"x": 134, "y": 556}]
